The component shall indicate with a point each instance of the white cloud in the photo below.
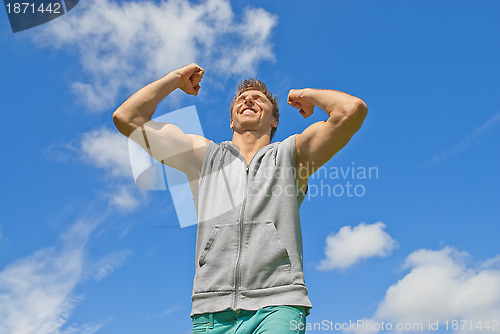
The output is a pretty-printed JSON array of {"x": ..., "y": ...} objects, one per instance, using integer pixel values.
[
  {"x": 170, "y": 310},
  {"x": 61, "y": 152},
  {"x": 37, "y": 292},
  {"x": 166, "y": 312},
  {"x": 352, "y": 244},
  {"x": 109, "y": 263},
  {"x": 124, "y": 198},
  {"x": 107, "y": 150},
  {"x": 83, "y": 329},
  {"x": 125, "y": 45},
  {"x": 465, "y": 142},
  {"x": 441, "y": 287}
]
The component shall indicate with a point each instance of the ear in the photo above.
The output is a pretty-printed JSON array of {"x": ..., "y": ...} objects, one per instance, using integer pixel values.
[
  {"x": 231, "y": 125},
  {"x": 274, "y": 123}
]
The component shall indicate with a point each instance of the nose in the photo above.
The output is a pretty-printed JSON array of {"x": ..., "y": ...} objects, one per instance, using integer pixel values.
[{"x": 249, "y": 100}]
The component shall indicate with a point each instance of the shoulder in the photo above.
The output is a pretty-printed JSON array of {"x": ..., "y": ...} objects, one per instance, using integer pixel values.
[
  {"x": 288, "y": 141},
  {"x": 285, "y": 150},
  {"x": 288, "y": 144}
]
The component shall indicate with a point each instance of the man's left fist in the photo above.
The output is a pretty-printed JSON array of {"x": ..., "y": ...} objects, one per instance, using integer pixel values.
[{"x": 297, "y": 99}]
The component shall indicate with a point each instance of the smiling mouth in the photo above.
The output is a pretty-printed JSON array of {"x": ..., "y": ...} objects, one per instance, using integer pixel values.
[{"x": 248, "y": 110}]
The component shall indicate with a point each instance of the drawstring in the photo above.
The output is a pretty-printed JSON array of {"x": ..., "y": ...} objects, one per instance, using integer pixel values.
[
  {"x": 226, "y": 181},
  {"x": 223, "y": 146}
]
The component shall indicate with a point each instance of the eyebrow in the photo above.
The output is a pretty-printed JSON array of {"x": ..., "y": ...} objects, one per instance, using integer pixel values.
[{"x": 254, "y": 93}]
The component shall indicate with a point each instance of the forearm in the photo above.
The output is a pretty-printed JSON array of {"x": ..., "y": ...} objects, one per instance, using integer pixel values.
[
  {"x": 336, "y": 104},
  {"x": 140, "y": 107}
]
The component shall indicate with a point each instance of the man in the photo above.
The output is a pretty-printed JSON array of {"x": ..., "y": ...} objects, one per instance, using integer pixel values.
[{"x": 249, "y": 267}]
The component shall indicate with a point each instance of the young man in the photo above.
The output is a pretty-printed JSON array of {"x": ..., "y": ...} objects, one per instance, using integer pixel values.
[{"x": 247, "y": 192}]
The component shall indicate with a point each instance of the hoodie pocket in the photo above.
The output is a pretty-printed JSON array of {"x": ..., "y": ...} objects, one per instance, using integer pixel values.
[
  {"x": 265, "y": 261},
  {"x": 217, "y": 260}
]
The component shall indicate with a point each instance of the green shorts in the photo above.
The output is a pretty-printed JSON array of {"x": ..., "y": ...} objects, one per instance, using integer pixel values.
[{"x": 267, "y": 320}]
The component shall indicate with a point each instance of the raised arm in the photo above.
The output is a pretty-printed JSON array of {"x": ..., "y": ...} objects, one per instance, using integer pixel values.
[
  {"x": 319, "y": 142},
  {"x": 163, "y": 141}
]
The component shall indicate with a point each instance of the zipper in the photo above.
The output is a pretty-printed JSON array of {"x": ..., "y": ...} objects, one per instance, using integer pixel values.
[
  {"x": 240, "y": 241},
  {"x": 240, "y": 236}
]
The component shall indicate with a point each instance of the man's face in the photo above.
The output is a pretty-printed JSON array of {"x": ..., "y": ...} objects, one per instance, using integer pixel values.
[{"x": 252, "y": 110}]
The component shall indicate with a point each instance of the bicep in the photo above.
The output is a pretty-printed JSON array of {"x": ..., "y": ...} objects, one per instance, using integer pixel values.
[
  {"x": 169, "y": 145},
  {"x": 319, "y": 142}
]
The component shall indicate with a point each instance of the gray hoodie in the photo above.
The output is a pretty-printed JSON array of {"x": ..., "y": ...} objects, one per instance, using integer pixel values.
[{"x": 249, "y": 241}]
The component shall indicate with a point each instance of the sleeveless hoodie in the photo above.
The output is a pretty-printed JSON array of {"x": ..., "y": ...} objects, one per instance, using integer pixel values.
[{"x": 249, "y": 239}]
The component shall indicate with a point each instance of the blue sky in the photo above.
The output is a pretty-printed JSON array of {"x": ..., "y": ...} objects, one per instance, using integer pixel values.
[{"x": 83, "y": 250}]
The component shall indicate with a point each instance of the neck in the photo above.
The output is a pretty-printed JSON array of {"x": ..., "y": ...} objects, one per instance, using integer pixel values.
[{"x": 249, "y": 142}]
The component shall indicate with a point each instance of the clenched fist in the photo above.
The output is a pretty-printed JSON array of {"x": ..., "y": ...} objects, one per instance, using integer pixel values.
[
  {"x": 297, "y": 99},
  {"x": 189, "y": 78}
]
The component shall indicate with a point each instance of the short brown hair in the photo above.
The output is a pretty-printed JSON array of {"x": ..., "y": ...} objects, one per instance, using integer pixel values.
[{"x": 256, "y": 84}]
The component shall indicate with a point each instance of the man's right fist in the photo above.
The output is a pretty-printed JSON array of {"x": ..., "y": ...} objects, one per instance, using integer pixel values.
[{"x": 189, "y": 78}]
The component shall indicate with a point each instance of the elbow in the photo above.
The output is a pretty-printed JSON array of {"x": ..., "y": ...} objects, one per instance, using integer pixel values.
[
  {"x": 121, "y": 122},
  {"x": 118, "y": 119},
  {"x": 358, "y": 111},
  {"x": 361, "y": 108},
  {"x": 118, "y": 115}
]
